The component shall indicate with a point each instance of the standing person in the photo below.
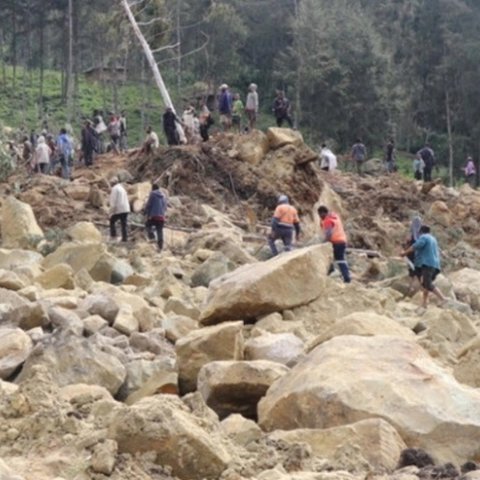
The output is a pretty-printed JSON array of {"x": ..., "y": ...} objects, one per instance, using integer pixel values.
[
  {"x": 206, "y": 121},
  {"x": 65, "y": 152},
  {"x": 53, "y": 153},
  {"x": 33, "y": 138},
  {"x": 170, "y": 127},
  {"x": 251, "y": 106},
  {"x": 27, "y": 152},
  {"x": 284, "y": 222},
  {"x": 237, "y": 112},
  {"x": 114, "y": 131},
  {"x": 151, "y": 142},
  {"x": 413, "y": 272},
  {"x": 427, "y": 259},
  {"x": 470, "y": 172},
  {"x": 123, "y": 131},
  {"x": 100, "y": 129},
  {"x": 418, "y": 166},
  {"x": 225, "y": 106},
  {"x": 332, "y": 227},
  {"x": 328, "y": 160},
  {"x": 390, "y": 157},
  {"x": 155, "y": 210},
  {"x": 188, "y": 122},
  {"x": 119, "y": 209},
  {"x": 281, "y": 109},
  {"x": 89, "y": 143},
  {"x": 41, "y": 158},
  {"x": 359, "y": 155},
  {"x": 428, "y": 157}
]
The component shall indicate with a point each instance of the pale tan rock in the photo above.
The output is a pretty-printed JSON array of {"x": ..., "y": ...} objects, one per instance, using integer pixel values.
[
  {"x": 219, "y": 342},
  {"x": 85, "y": 232},
  {"x": 253, "y": 148},
  {"x": 138, "y": 195},
  {"x": 276, "y": 347},
  {"x": 94, "y": 323},
  {"x": 440, "y": 213},
  {"x": 32, "y": 293},
  {"x": 215, "y": 266},
  {"x": 11, "y": 259},
  {"x": 164, "y": 425},
  {"x": 15, "y": 347},
  {"x": 371, "y": 444},
  {"x": 96, "y": 198},
  {"x": 466, "y": 285},
  {"x": 125, "y": 322},
  {"x": 430, "y": 405},
  {"x": 18, "y": 225},
  {"x": 77, "y": 191},
  {"x": 364, "y": 324},
  {"x": 279, "y": 137},
  {"x": 240, "y": 429},
  {"x": 236, "y": 387},
  {"x": 138, "y": 279},
  {"x": 65, "y": 319},
  {"x": 183, "y": 307},
  {"x": 71, "y": 359},
  {"x": 104, "y": 456},
  {"x": 10, "y": 280},
  {"x": 28, "y": 316},
  {"x": 159, "y": 382},
  {"x": 7, "y": 388},
  {"x": 81, "y": 393},
  {"x": 101, "y": 304},
  {"x": 177, "y": 326},
  {"x": 77, "y": 255},
  {"x": 274, "y": 285}
]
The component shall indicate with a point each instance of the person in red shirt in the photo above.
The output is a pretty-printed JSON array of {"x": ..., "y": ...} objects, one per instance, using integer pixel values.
[
  {"x": 284, "y": 222},
  {"x": 332, "y": 227}
]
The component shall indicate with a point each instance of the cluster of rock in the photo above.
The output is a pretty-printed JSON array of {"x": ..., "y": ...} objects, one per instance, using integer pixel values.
[{"x": 211, "y": 364}]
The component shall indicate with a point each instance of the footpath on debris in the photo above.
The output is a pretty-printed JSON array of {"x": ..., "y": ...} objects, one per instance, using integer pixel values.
[{"x": 209, "y": 360}]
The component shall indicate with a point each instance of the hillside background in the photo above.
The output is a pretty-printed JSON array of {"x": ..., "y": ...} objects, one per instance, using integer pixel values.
[{"x": 368, "y": 68}]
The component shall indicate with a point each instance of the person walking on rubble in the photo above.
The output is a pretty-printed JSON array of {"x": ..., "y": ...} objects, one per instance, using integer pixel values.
[
  {"x": 281, "y": 109},
  {"x": 119, "y": 209},
  {"x": 359, "y": 155},
  {"x": 155, "y": 210},
  {"x": 328, "y": 160},
  {"x": 413, "y": 271},
  {"x": 427, "y": 259},
  {"x": 332, "y": 227},
  {"x": 251, "y": 106},
  {"x": 428, "y": 157},
  {"x": 284, "y": 222}
]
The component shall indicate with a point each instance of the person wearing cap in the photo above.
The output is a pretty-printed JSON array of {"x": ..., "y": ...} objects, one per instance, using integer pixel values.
[
  {"x": 251, "y": 105},
  {"x": 119, "y": 209},
  {"x": 427, "y": 259},
  {"x": 284, "y": 222},
  {"x": 332, "y": 227},
  {"x": 155, "y": 210},
  {"x": 225, "y": 106}
]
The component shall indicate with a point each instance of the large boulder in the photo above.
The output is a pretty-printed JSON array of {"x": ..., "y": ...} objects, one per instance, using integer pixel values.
[
  {"x": 275, "y": 285},
  {"x": 253, "y": 148},
  {"x": 371, "y": 444},
  {"x": 15, "y": 346},
  {"x": 219, "y": 342},
  {"x": 215, "y": 266},
  {"x": 85, "y": 232},
  {"x": 165, "y": 426},
  {"x": 58, "y": 276},
  {"x": 466, "y": 285},
  {"x": 10, "y": 259},
  {"x": 236, "y": 387},
  {"x": 277, "y": 347},
  {"x": 351, "y": 378},
  {"x": 279, "y": 137},
  {"x": 18, "y": 225},
  {"x": 72, "y": 359}
]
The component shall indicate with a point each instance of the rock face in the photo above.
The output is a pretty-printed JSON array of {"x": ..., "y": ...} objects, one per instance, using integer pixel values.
[
  {"x": 279, "y": 137},
  {"x": 15, "y": 346},
  {"x": 85, "y": 232},
  {"x": 19, "y": 226},
  {"x": 276, "y": 347},
  {"x": 466, "y": 285},
  {"x": 390, "y": 378},
  {"x": 215, "y": 266},
  {"x": 219, "y": 342},
  {"x": 275, "y": 285},
  {"x": 164, "y": 425},
  {"x": 73, "y": 360},
  {"x": 369, "y": 444},
  {"x": 236, "y": 387}
]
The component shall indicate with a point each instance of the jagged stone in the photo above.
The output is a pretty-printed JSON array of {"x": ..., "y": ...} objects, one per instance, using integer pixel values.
[{"x": 15, "y": 347}]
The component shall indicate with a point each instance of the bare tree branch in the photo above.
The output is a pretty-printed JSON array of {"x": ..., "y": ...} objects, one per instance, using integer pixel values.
[
  {"x": 191, "y": 52},
  {"x": 166, "y": 47}
]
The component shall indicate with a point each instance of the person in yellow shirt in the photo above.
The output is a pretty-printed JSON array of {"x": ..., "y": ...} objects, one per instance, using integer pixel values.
[{"x": 284, "y": 222}]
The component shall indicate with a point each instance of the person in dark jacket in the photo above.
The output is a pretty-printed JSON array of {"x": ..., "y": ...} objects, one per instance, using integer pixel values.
[
  {"x": 428, "y": 157},
  {"x": 170, "y": 127},
  {"x": 89, "y": 143},
  {"x": 155, "y": 210},
  {"x": 281, "y": 109}
]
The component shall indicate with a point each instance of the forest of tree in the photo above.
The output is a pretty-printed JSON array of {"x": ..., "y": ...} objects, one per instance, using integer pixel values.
[{"x": 369, "y": 68}]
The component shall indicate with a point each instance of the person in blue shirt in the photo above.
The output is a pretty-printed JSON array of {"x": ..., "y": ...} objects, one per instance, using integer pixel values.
[
  {"x": 427, "y": 259},
  {"x": 65, "y": 152}
]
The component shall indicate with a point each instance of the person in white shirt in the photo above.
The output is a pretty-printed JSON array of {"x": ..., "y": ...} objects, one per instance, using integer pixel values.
[
  {"x": 251, "y": 105},
  {"x": 328, "y": 160},
  {"x": 41, "y": 158},
  {"x": 119, "y": 209},
  {"x": 151, "y": 142}
]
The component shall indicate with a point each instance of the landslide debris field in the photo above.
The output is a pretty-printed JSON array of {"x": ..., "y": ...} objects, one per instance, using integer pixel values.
[{"x": 209, "y": 361}]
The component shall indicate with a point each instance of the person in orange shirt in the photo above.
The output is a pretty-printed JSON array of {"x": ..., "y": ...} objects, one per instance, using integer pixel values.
[
  {"x": 284, "y": 222},
  {"x": 332, "y": 227}
]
